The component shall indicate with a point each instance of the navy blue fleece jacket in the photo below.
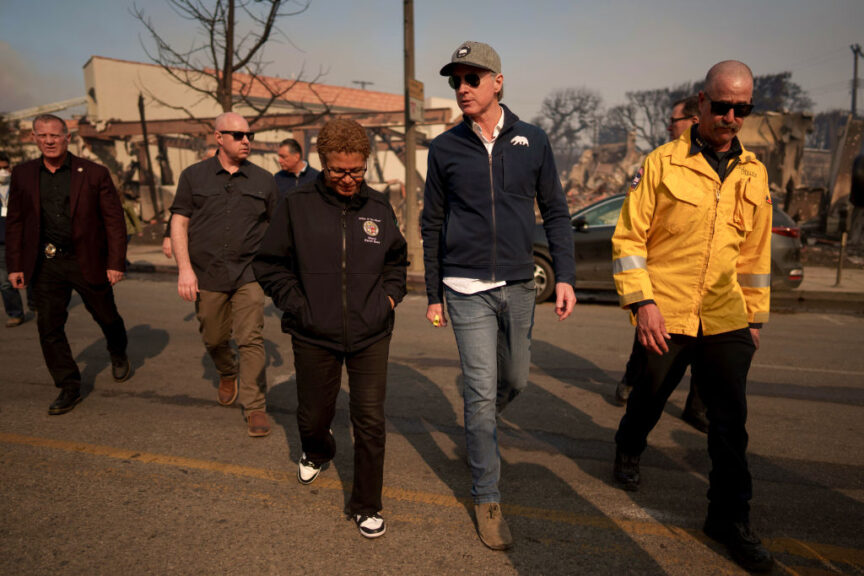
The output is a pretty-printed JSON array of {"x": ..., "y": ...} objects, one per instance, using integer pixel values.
[{"x": 478, "y": 211}]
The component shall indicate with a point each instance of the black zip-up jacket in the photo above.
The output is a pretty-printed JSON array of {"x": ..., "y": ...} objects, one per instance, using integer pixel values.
[
  {"x": 478, "y": 210},
  {"x": 330, "y": 262}
]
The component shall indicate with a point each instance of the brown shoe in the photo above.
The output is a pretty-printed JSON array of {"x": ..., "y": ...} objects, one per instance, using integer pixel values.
[
  {"x": 492, "y": 527},
  {"x": 258, "y": 424},
  {"x": 14, "y": 321},
  {"x": 227, "y": 390}
]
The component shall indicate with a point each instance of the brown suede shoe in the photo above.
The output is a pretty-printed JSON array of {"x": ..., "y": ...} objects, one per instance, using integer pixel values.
[
  {"x": 227, "y": 390},
  {"x": 258, "y": 424},
  {"x": 492, "y": 527}
]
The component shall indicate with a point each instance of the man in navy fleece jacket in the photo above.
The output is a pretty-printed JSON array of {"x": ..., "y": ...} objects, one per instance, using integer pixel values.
[{"x": 483, "y": 178}]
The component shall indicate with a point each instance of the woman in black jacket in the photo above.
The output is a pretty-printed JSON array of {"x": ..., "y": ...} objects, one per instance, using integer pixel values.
[{"x": 334, "y": 262}]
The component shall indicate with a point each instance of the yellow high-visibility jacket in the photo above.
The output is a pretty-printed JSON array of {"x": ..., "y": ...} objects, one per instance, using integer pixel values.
[{"x": 700, "y": 249}]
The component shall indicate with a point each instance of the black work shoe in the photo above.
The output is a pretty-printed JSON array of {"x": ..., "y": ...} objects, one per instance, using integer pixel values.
[
  {"x": 696, "y": 419},
  {"x": 626, "y": 471},
  {"x": 743, "y": 545},
  {"x": 65, "y": 402},
  {"x": 120, "y": 368}
]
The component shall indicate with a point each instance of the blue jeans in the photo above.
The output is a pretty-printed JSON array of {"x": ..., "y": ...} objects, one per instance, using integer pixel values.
[{"x": 493, "y": 333}]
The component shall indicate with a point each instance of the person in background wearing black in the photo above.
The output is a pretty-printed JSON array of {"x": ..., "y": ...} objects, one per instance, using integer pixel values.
[
  {"x": 65, "y": 231},
  {"x": 295, "y": 171},
  {"x": 12, "y": 301},
  {"x": 334, "y": 261},
  {"x": 685, "y": 113}
]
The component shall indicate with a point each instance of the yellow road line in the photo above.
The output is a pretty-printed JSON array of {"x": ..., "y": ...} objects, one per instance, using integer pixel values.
[{"x": 824, "y": 553}]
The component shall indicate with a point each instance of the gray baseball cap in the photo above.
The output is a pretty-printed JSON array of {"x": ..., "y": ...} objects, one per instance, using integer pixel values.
[{"x": 474, "y": 54}]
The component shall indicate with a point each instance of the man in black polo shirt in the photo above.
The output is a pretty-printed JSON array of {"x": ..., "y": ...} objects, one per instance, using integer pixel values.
[
  {"x": 219, "y": 216},
  {"x": 295, "y": 171},
  {"x": 66, "y": 231}
]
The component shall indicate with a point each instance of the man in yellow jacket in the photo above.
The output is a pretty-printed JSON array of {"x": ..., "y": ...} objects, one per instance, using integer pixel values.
[{"x": 692, "y": 262}]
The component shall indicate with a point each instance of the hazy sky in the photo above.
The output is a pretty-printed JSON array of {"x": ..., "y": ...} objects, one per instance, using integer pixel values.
[{"x": 610, "y": 46}]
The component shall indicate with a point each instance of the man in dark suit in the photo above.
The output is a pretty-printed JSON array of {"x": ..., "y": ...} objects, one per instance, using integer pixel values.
[{"x": 65, "y": 231}]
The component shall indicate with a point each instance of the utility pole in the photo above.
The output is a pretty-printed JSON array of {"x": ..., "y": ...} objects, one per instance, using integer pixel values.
[
  {"x": 856, "y": 52},
  {"x": 412, "y": 220},
  {"x": 151, "y": 181}
]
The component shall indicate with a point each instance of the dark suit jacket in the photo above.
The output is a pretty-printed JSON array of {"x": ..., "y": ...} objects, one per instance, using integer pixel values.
[{"x": 98, "y": 227}]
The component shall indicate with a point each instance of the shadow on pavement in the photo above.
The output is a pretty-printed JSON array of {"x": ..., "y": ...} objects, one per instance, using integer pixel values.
[
  {"x": 527, "y": 487},
  {"x": 674, "y": 481},
  {"x": 282, "y": 408},
  {"x": 145, "y": 343},
  {"x": 422, "y": 409}
]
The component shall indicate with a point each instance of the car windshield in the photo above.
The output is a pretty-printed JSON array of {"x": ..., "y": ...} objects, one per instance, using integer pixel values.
[{"x": 604, "y": 214}]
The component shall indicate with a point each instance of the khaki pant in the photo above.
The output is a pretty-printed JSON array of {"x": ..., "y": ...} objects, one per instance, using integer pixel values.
[{"x": 243, "y": 311}]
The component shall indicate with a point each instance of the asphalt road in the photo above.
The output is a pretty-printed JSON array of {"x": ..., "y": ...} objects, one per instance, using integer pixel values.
[{"x": 151, "y": 476}]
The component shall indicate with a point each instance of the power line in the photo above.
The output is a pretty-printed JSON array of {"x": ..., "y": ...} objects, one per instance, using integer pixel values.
[
  {"x": 830, "y": 87},
  {"x": 834, "y": 54}
]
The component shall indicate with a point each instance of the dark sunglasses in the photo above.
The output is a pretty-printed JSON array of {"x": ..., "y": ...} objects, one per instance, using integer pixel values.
[
  {"x": 472, "y": 79},
  {"x": 720, "y": 108},
  {"x": 238, "y": 135}
]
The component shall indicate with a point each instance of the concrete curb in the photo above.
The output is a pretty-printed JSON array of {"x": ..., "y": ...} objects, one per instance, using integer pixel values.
[{"x": 817, "y": 301}]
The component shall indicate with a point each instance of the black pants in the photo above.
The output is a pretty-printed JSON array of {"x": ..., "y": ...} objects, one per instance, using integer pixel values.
[
  {"x": 635, "y": 366},
  {"x": 319, "y": 375},
  {"x": 52, "y": 289},
  {"x": 720, "y": 363}
]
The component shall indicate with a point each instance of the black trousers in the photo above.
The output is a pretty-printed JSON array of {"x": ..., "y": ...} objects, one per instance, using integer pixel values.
[
  {"x": 720, "y": 363},
  {"x": 52, "y": 289},
  {"x": 634, "y": 369},
  {"x": 319, "y": 375}
]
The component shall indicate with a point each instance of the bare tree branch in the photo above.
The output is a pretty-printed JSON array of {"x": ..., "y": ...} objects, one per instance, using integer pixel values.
[
  {"x": 209, "y": 64},
  {"x": 565, "y": 116},
  {"x": 319, "y": 110},
  {"x": 146, "y": 91},
  {"x": 645, "y": 112}
]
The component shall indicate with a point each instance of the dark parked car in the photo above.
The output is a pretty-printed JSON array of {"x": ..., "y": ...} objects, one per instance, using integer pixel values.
[{"x": 592, "y": 240}]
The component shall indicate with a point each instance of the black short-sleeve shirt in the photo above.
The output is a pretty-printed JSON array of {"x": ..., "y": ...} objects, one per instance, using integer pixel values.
[{"x": 228, "y": 216}]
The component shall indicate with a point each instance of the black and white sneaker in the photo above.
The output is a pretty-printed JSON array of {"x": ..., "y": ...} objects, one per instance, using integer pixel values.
[
  {"x": 307, "y": 470},
  {"x": 370, "y": 526}
]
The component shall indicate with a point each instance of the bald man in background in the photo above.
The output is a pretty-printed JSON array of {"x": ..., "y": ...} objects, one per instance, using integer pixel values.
[{"x": 220, "y": 214}]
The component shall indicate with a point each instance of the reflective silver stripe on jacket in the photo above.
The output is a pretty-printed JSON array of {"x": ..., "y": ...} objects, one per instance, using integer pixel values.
[
  {"x": 627, "y": 263},
  {"x": 754, "y": 280}
]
